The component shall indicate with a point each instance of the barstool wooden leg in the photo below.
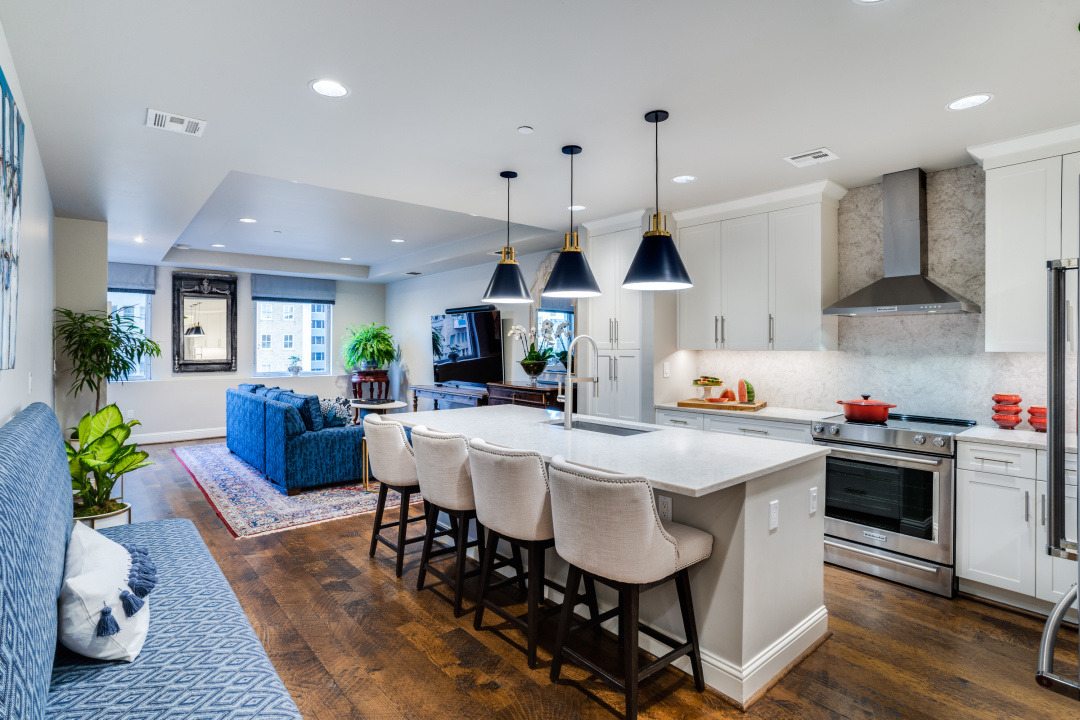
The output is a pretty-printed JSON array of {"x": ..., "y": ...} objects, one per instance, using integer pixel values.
[
  {"x": 573, "y": 579},
  {"x": 429, "y": 539},
  {"x": 515, "y": 554},
  {"x": 629, "y": 597},
  {"x": 485, "y": 575},
  {"x": 590, "y": 599},
  {"x": 403, "y": 527},
  {"x": 686, "y": 604},
  {"x": 461, "y": 541},
  {"x": 379, "y": 507},
  {"x": 534, "y": 592}
]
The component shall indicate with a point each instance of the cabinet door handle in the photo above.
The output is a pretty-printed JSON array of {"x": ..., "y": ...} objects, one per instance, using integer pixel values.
[
  {"x": 616, "y": 369},
  {"x": 997, "y": 460},
  {"x": 722, "y": 331},
  {"x": 610, "y": 374},
  {"x": 770, "y": 328},
  {"x": 716, "y": 329},
  {"x": 1043, "y": 498},
  {"x": 616, "y": 337},
  {"x": 677, "y": 422},
  {"x": 610, "y": 330},
  {"x": 754, "y": 430},
  {"x": 1027, "y": 506}
]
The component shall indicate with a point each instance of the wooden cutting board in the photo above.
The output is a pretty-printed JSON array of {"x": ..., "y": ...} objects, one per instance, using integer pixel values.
[{"x": 700, "y": 404}]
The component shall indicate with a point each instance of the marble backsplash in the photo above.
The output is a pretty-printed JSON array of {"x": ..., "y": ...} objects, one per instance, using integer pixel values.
[{"x": 926, "y": 364}]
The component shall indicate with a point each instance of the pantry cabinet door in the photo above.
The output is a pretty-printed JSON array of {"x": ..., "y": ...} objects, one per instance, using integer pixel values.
[
  {"x": 1054, "y": 576},
  {"x": 603, "y": 259},
  {"x": 699, "y": 306},
  {"x": 995, "y": 523},
  {"x": 795, "y": 277},
  {"x": 628, "y": 303},
  {"x": 627, "y": 373},
  {"x": 605, "y": 403},
  {"x": 744, "y": 282}
]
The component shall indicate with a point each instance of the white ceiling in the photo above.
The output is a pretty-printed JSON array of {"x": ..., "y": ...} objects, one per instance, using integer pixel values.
[{"x": 438, "y": 89}]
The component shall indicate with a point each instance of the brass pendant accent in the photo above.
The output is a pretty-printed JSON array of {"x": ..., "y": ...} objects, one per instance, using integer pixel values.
[{"x": 657, "y": 226}]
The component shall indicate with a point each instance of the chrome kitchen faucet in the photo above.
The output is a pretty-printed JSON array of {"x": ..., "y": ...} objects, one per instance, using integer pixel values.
[{"x": 567, "y": 398}]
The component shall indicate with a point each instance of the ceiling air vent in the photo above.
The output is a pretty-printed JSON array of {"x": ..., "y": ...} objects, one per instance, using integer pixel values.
[
  {"x": 174, "y": 123},
  {"x": 413, "y": 272},
  {"x": 813, "y": 157}
]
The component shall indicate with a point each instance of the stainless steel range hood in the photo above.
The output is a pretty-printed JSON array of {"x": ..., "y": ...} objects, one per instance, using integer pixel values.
[{"x": 905, "y": 289}]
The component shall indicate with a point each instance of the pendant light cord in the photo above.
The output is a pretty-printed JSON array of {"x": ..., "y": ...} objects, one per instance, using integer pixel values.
[
  {"x": 657, "y": 165},
  {"x": 571, "y": 192},
  {"x": 507, "y": 213}
]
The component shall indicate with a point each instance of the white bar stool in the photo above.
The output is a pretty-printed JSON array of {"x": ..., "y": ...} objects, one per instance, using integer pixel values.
[
  {"x": 607, "y": 528},
  {"x": 393, "y": 465},
  {"x": 512, "y": 502},
  {"x": 442, "y": 466}
]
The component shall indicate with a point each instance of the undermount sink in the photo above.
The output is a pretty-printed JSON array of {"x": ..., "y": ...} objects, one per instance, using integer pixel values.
[{"x": 601, "y": 427}]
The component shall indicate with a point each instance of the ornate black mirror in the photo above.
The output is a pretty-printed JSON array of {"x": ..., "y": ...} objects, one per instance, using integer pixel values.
[{"x": 204, "y": 322}]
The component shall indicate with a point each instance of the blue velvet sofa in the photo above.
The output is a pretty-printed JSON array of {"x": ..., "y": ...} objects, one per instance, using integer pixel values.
[
  {"x": 202, "y": 659},
  {"x": 268, "y": 430}
]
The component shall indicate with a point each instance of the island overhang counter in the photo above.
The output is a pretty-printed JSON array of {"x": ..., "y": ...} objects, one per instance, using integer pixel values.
[{"x": 759, "y": 599}]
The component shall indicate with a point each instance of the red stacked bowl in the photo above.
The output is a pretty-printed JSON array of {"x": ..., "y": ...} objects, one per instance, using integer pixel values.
[
  {"x": 1007, "y": 411},
  {"x": 1038, "y": 417}
]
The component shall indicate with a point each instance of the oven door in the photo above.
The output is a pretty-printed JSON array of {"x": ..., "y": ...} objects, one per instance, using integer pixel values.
[{"x": 896, "y": 501}]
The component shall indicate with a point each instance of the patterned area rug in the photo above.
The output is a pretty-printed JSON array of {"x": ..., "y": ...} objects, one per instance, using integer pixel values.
[{"x": 249, "y": 505}]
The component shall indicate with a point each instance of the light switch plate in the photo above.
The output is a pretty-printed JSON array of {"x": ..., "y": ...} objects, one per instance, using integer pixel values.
[
  {"x": 667, "y": 369},
  {"x": 774, "y": 515},
  {"x": 813, "y": 500},
  {"x": 664, "y": 507}
]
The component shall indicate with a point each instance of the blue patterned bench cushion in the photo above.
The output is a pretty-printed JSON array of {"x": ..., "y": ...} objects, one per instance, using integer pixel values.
[
  {"x": 202, "y": 659},
  {"x": 35, "y": 523}
]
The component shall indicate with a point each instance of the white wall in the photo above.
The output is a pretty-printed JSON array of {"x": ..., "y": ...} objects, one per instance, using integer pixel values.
[
  {"x": 411, "y": 303},
  {"x": 31, "y": 379},
  {"x": 181, "y": 406}
]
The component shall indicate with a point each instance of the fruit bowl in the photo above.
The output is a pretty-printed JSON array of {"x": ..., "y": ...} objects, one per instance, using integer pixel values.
[
  {"x": 1007, "y": 409},
  {"x": 1007, "y": 422}
]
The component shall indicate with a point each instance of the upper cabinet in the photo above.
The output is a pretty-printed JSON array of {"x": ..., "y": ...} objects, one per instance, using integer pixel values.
[
  {"x": 615, "y": 316},
  {"x": 1032, "y": 215},
  {"x": 763, "y": 270}
]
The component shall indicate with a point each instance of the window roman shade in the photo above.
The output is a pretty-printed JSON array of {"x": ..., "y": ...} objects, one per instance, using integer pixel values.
[
  {"x": 281, "y": 288},
  {"x": 126, "y": 277}
]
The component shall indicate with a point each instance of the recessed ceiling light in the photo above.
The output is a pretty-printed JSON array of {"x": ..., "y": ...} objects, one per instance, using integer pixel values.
[
  {"x": 182, "y": 246},
  {"x": 140, "y": 239},
  {"x": 247, "y": 220},
  {"x": 413, "y": 272},
  {"x": 868, "y": 2},
  {"x": 398, "y": 240},
  {"x": 683, "y": 179},
  {"x": 474, "y": 215},
  {"x": 329, "y": 88},
  {"x": 345, "y": 259},
  {"x": 577, "y": 208},
  {"x": 525, "y": 130},
  {"x": 970, "y": 101},
  {"x": 217, "y": 245}
]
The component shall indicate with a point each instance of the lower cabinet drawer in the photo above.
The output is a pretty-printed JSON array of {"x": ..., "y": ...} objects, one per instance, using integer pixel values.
[
  {"x": 997, "y": 459},
  {"x": 792, "y": 432},
  {"x": 674, "y": 418}
]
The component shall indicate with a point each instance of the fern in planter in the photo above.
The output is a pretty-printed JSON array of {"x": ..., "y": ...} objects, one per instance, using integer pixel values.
[
  {"x": 101, "y": 458},
  {"x": 368, "y": 347}
]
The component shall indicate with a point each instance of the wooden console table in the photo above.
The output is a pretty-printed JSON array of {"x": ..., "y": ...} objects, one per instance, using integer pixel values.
[
  {"x": 467, "y": 395},
  {"x": 543, "y": 395}
]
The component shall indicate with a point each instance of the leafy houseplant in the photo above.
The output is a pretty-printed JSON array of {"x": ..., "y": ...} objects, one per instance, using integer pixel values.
[
  {"x": 101, "y": 459},
  {"x": 294, "y": 367},
  {"x": 102, "y": 347},
  {"x": 368, "y": 346},
  {"x": 436, "y": 343}
]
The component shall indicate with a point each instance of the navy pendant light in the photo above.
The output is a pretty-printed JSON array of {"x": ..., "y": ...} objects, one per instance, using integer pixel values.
[
  {"x": 507, "y": 285},
  {"x": 657, "y": 265},
  {"x": 571, "y": 277}
]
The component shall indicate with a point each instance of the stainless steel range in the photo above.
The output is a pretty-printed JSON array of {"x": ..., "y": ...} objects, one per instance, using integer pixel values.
[{"x": 889, "y": 498}]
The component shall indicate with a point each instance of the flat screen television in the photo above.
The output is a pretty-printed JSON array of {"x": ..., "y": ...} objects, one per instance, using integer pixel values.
[{"x": 467, "y": 347}]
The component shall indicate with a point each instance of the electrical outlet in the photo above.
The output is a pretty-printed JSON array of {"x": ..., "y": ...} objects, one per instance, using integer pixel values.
[
  {"x": 774, "y": 515},
  {"x": 813, "y": 500},
  {"x": 667, "y": 369},
  {"x": 664, "y": 506}
]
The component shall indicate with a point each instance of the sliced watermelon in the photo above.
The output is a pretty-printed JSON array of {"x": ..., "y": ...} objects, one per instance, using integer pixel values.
[{"x": 746, "y": 391}]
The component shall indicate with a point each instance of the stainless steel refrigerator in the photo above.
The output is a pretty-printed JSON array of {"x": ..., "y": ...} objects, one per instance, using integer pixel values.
[{"x": 1061, "y": 538}]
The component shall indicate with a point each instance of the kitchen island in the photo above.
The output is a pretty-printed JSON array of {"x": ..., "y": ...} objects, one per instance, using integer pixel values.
[{"x": 759, "y": 598}]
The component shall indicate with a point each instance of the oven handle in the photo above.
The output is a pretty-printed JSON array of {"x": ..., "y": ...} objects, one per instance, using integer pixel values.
[
  {"x": 877, "y": 556},
  {"x": 886, "y": 456}
]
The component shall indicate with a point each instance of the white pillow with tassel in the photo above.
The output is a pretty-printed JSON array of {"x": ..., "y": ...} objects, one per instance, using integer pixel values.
[{"x": 104, "y": 610}]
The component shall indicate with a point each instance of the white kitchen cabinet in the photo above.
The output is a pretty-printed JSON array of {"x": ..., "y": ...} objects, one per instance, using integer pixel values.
[
  {"x": 996, "y": 530},
  {"x": 615, "y": 316},
  {"x": 619, "y": 396},
  {"x": 699, "y": 306},
  {"x": 675, "y": 418},
  {"x": 1023, "y": 231},
  {"x": 1054, "y": 576},
  {"x": 803, "y": 278},
  {"x": 744, "y": 282},
  {"x": 748, "y": 427}
]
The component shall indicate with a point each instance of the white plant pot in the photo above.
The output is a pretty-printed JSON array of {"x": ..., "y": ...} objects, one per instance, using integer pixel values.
[{"x": 98, "y": 522}]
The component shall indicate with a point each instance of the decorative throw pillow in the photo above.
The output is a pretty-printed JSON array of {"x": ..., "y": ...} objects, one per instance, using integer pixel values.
[
  {"x": 249, "y": 387},
  {"x": 336, "y": 413},
  {"x": 294, "y": 426},
  {"x": 308, "y": 405},
  {"x": 104, "y": 610}
]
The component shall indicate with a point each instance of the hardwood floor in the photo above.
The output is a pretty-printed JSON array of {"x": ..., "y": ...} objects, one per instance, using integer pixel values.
[{"x": 352, "y": 641}]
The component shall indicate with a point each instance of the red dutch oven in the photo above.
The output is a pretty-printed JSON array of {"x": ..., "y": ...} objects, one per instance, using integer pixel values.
[{"x": 866, "y": 410}]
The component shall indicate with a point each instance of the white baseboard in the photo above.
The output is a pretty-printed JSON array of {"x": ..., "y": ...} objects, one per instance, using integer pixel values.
[{"x": 177, "y": 435}]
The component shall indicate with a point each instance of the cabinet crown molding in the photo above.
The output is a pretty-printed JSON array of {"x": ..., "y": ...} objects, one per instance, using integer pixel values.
[
  {"x": 625, "y": 221},
  {"x": 1036, "y": 146},
  {"x": 825, "y": 192}
]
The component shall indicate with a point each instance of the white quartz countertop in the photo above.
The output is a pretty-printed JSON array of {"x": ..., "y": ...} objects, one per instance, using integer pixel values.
[
  {"x": 778, "y": 414},
  {"x": 1012, "y": 438},
  {"x": 684, "y": 462}
]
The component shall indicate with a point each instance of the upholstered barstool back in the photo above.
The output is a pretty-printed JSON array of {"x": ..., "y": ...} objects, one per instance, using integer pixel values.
[
  {"x": 442, "y": 466},
  {"x": 607, "y": 524},
  {"x": 389, "y": 452},
  {"x": 511, "y": 491}
]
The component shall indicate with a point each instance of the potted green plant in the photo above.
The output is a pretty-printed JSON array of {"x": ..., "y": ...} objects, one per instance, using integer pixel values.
[
  {"x": 102, "y": 346},
  {"x": 295, "y": 367},
  {"x": 537, "y": 346},
  {"x": 436, "y": 343},
  {"x": 102, "y": 458},
  {"x": 368, "y": 347}
]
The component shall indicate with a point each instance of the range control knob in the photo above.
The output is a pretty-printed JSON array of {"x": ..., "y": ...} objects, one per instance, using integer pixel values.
[
  {"x": 919, "y": 439},
  {"x": 939, "y": 441},
  {"x": 834, "y": 429},
  {"x": 819, "y": 428}
]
